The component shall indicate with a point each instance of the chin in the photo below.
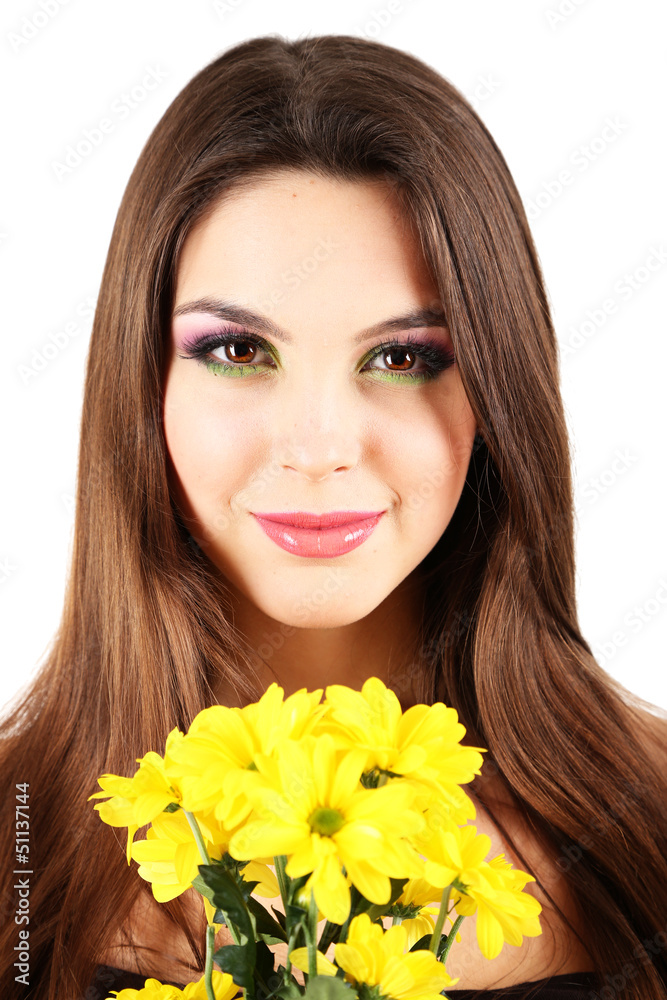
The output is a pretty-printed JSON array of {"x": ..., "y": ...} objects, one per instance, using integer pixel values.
[
  {"x": 331, "y": 599},
  {"x": 310, "y": 596},
  {"x": 305, "y": 612}
]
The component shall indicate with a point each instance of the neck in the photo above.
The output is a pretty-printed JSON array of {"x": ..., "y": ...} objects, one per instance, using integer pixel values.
[{"x": 383, "y": 644}]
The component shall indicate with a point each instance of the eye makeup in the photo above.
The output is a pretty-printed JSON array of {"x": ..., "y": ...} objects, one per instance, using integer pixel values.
[
  {"x": 246, "y": 346},
  {"x": 245, "y": 354},
  {"x": 435, "y": 358}
]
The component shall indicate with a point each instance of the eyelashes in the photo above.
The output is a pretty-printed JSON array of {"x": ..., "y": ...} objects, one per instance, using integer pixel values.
[
  {"x": 431, "y": 357},
  {"x": 244, "y": 343}
]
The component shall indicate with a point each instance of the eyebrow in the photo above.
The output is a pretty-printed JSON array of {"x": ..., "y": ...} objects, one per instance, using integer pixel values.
[{"x": 425, "y": 316}]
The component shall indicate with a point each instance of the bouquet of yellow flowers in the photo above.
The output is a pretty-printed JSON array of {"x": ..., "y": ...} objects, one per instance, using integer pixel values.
[{"x": 348, "y": 809}]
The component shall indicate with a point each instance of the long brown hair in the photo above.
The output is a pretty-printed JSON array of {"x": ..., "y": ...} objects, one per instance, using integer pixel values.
[{"x": 145, "y": 627}]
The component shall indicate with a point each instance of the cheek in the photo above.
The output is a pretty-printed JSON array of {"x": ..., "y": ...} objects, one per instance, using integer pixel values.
[
  {"x": 426, "y": 460},
  {"x": 212, "y": 447},
  {"x": 436, "y": 482}
]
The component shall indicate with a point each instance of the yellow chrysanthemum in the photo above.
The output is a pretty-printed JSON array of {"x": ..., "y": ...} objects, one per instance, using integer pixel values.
[
  {"x": 311, "y": 807},
  {"x": 169, "y": 858},
  {"x": 299, "y": 959},
  {"x": 451, "y": 851},
  {"x": 493, "y": 889},
  {"x": 379, "y": 958},
  {"x": 505, "y": 913},
  {"x": 138, "y": 800},
  {"x": 422, "y": 744},
  {"x": 224, "y": 988},
  {"x": 418, "y": 907},
  {"x": 214, "y": 763}
]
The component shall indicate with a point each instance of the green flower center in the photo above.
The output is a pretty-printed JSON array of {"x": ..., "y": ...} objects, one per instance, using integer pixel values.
[{"x": 325, "y": 821}]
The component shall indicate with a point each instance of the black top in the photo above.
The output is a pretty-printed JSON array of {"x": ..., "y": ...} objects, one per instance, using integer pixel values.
[{"x": 570, "y": 986}]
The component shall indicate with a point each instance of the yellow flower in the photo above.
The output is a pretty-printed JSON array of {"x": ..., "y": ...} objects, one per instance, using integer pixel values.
[
  {"x": 224, "y": 988},
  {"x": 138, "y": 800},
  {"x": 214, "y": 764},
  {"x": 504, "y": 911},
  {"x": 422, "y": 744},
  {"x": 310, "y": 806},
  {"x": 418, "y": 907},
  {"x": 378, "y": 958},
  {"x": 451, "y": 851},
  {"x": 492, "y": 889},
  {"x": 169, "y": 858},
  {"x": 299, "y": 959}
]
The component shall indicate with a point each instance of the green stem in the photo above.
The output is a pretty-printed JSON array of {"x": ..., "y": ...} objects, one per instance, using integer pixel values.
[
  {"x": 208, "y": 968},
  {"x": 355, "y": 896},
  {"x": 199, "y": 840},
  {"x": 210, "y": 930},
  {"x": 312, "y": 936},
  {"x": 287, "y": 978},
  {"x": 442, "y": 912},
  {"x": 280, "y": 860},
  {"x": 327, "y": 936},
  {"x": 451, "y": 937}
]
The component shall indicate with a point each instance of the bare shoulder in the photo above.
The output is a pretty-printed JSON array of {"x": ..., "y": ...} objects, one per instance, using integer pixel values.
[{"x": 557, "y": 950}]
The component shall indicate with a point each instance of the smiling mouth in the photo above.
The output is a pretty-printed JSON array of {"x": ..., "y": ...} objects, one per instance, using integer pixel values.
[
  {"x": 322, "y": 536},
  {"x": 330, "y": 519}
]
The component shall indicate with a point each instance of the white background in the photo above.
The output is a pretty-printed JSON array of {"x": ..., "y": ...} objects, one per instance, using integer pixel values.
[{"x": 562, "y": 85}]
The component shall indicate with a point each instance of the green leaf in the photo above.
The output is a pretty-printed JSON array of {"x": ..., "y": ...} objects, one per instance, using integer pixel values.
[
  {"x": 270, "y": 939},
  {"x": 281, "y": 987},
  {"x": 376, "y": 910},
  {"x": 330, "y": 934},
  {"x": 226, "y": 894},
  {"x": 328, "y": 988},
  {"x": 295, "y": 914},
  {"x": 201, "y": 886},
  {"x": 245, "y": 888},
  {"x": 423, "y": 944},
  {"x": 234, "y": 959},
  {"x": 264, "y": 962},
  {"x": 397, "y": 886},
  {"x": 264, "y": 922},
  {"x": 289, "y": 991}
]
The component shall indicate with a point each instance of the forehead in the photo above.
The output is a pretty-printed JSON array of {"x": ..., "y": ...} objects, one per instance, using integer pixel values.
[
  {"x": 294, "y": 237},
  {"x": 299, "y": 193}
]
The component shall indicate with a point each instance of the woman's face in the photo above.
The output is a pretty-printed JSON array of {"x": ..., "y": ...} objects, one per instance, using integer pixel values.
[{"x": 308, "y": 408}]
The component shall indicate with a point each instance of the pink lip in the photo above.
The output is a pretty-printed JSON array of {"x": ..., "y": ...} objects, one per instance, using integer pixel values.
[{"x": 320, "y": 536}]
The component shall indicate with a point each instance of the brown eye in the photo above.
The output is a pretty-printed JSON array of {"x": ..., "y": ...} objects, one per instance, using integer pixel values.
[
  {"x": 228, "y": 352},
  {"x": 408, "y": 360},
  {"x": 240, "y": 350},
  {"x": 399, "y": 359}
]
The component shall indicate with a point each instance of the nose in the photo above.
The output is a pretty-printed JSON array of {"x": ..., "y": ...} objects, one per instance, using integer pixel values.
[{"x": 317, "y": 429}]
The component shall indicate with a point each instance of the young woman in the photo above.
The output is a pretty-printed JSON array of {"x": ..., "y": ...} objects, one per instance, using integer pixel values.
[{"x": 323, "y": 440}]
